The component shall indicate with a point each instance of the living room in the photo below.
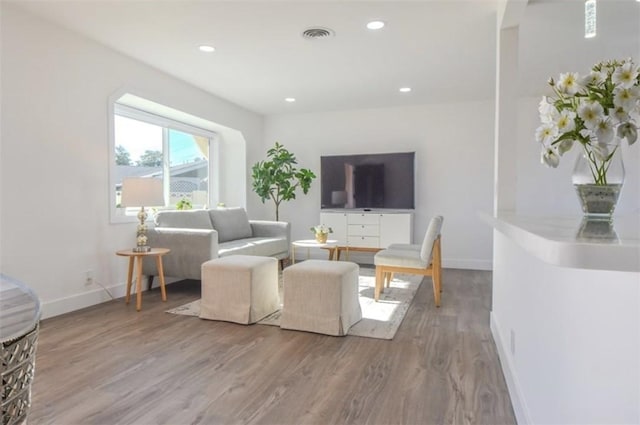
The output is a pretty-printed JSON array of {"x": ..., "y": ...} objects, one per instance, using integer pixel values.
[{"x": 57, "y": 84}]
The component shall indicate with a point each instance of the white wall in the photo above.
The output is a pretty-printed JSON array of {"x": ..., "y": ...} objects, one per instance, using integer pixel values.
[
  {"x": 454, "y": 165},
  {"x": 568, "y": 339},
  {"x": 54, "y": 166}
]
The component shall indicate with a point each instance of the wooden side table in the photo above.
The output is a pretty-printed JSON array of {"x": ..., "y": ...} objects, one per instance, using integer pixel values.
[{"x": 138, "y": 256}]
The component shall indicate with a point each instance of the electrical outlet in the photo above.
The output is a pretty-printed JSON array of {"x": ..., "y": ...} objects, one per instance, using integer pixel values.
[
  {"x": 88, "y": 277},
  {"x": 512, "y": 342}
]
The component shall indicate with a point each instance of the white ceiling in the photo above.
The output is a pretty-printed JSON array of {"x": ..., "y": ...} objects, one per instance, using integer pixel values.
[{"x": 444, "y": 50}]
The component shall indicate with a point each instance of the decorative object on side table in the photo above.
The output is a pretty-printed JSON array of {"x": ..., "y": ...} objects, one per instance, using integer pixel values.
[
  {"x": 321, "y": 232},
  {"x": 597, "y": 111},
  {"x": 141, "y": 192}
]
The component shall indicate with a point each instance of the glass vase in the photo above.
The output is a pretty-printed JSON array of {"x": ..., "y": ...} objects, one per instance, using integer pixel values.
[{"x": 598, "y": 176}]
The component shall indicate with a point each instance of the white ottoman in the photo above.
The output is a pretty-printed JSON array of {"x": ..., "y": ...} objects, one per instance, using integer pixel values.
[
  {"x": 239, "y": 288},
  {"x": 321, "y": 296}
]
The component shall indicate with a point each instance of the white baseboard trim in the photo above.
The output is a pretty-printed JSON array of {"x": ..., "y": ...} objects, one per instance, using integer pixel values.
[
  {"x": 457, "y": 263},
  {"x": 74, "y": 302},
  {"x": 523, "y": 417},
  {"x": 91, "y": 297}
]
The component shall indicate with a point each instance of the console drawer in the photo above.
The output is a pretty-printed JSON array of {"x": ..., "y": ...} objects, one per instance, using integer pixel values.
[
  {"x": 363, "y": 230},
  {"x": 362, "y": 219},
  {"x": 363, "y": 241}
]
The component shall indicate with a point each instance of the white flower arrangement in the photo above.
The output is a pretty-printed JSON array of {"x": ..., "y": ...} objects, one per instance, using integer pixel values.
[
  {"x": 592, "y": 110},
  {"x": 321, "y": 229}
]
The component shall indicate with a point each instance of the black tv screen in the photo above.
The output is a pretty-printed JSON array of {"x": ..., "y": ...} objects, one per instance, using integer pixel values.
[{"x": 368, "y": 181}]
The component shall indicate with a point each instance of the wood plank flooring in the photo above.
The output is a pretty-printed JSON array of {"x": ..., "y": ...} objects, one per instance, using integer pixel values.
[{"x": 109, "y": 364}]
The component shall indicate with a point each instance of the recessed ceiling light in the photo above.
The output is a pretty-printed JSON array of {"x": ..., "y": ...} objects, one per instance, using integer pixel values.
[
  {"x": 405, "y": 89},
  {"x": 375, "y": 25},
  {"x": 289, "y": 99},
  {"x": 207, "y": 49}
]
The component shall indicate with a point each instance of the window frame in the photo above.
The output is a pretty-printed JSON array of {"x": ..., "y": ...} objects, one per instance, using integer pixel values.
[{"x": 119, "y": 215}]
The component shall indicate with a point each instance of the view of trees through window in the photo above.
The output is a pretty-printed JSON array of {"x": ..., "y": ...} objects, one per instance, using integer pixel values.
[{"x": 147, "y": 149}]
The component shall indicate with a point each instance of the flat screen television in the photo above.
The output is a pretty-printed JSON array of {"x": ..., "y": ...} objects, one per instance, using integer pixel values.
[{"x": 368, "y": 181}]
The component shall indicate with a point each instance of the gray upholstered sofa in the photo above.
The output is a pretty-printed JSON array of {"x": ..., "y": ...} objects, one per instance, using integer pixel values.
[{"x": 196, "y": 236}]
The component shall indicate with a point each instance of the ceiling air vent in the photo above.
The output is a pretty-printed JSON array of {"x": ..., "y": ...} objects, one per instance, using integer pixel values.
[{"x": 317, "y": 33}]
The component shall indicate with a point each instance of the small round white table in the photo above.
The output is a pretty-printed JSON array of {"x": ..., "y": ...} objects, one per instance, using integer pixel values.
[{"x": 331, "y": 245}]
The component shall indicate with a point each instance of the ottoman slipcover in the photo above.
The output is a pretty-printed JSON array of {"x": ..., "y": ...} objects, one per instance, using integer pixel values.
[
  {"x": 239, "y": 288},
  {"x": 321, "y": 296}
]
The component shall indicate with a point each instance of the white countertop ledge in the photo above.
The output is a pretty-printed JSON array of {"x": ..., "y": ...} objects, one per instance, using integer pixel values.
[{"x": 573, "y": 242}]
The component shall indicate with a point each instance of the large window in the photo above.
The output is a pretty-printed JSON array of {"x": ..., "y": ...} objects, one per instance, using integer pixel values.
[{"x": 148, "y": 145}]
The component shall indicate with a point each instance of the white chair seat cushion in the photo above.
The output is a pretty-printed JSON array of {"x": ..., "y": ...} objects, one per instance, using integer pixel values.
[
  {"x": 399, "y": 258},
  {"x": 321, "y": 296},
  {"x": 239, "y": 288},
  {"x": 407, "y": 246}
]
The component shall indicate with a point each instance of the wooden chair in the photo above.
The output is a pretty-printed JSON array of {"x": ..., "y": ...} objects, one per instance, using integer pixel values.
[{"x": 424, "y": 259}]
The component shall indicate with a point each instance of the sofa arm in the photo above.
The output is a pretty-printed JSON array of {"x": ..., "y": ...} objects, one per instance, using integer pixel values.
[
  {"x": 189, "y": 249},
  {"x": 270, "y": 229}
]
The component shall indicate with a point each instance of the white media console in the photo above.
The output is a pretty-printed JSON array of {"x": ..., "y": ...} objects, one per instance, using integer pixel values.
[{"x": 368, "y": 230}]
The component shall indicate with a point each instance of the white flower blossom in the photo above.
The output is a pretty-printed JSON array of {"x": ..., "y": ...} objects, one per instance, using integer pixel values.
[
  {"x": 546, "y": 133},
  {"x": 626, "y": 97},
  {"x": 625, "y": 75},
  {"x": 591, "y": 113},
  {"x": 548, "y": 112},
  {"x": 604, "y": 131},
  {"x": 566, "y": 121},
  {"x": 568, "y": 83},
  {"x": 321, "y": 228},
  {"x": 618, "y": 115},
  {"x": 594, "y": 78},
  {"x": 550, "y": 157}
]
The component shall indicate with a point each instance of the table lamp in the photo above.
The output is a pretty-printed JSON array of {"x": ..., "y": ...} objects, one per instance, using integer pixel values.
[{"x": 138, "y": 192}]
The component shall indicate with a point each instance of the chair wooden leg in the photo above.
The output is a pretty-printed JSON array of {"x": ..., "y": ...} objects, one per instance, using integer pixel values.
[
  {"x": 437, "y": 272},
  {"x": 436, "y": 291},
  {"x": 389, "y": 278},
  {"x": 379, "y": 283}
]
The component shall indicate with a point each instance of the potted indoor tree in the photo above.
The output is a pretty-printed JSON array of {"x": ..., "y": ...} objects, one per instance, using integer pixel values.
[{"x": 277, "y": 177}]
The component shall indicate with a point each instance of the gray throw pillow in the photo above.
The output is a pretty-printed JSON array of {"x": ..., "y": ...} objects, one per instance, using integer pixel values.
[
  {"x": 231, "y": 223},
  {"x": 191, "y": 219}
]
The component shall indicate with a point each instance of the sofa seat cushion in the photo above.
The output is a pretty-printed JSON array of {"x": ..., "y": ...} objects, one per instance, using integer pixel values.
[
  {"x": 191, "y": 219},
  {"x": 231, "y": 224},
  {"x": 253, "y": 246}
]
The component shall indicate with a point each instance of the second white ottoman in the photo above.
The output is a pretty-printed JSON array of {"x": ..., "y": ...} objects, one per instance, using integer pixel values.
[
  {"x": 239, "y": 288},
  {"x": 321, "y": 296}
]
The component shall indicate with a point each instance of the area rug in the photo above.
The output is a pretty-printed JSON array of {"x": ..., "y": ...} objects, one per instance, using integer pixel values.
[{"x": 379, "y": 319}]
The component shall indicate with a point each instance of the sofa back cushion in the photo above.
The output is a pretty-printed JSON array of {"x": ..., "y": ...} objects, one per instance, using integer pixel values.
[
  {"x": 190, "y": 219},
  {"x": 231, "y": 223}
]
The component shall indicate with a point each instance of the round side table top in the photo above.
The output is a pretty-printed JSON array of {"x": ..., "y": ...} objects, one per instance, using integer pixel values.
[
  {"x": 132, "y": 253},
  {"x": 312, "y": 243}
]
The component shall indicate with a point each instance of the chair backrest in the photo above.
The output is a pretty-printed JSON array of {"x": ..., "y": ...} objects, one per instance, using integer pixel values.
[{"x": 433, "y": 231}]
